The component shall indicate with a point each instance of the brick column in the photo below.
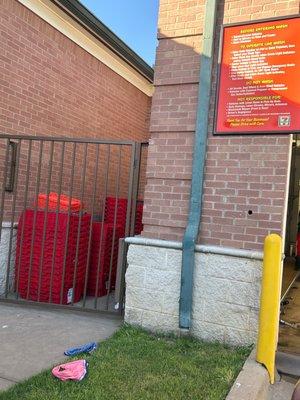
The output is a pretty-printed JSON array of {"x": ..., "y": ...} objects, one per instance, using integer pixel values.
[
  {"x": 244, "y": 198},
  {"x": 173, "y": 117},
  {"x": 246, "y": 177}
]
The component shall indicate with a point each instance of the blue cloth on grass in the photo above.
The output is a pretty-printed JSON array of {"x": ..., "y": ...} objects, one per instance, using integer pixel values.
[{"x": 86, "y": 348}]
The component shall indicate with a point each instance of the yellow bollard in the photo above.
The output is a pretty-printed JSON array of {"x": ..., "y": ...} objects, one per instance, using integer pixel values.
[{"x": 270, "y": 304}]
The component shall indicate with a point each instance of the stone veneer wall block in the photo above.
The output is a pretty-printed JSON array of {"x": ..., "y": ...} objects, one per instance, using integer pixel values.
[{"x": 225, "y": 295}]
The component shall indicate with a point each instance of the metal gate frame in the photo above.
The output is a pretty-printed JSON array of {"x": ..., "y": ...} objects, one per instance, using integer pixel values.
[{"x": 10, "y": 184}]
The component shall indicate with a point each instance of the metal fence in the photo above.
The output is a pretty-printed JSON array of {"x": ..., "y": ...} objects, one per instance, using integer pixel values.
[{"x": 66, "y": 205}]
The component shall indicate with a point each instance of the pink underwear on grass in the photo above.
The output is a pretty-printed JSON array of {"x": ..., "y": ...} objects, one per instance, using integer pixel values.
[{"x": 74, "y": 370}]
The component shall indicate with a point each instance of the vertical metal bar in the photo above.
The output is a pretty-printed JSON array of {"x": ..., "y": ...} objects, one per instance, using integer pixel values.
[
  {"x": 120, "y": 264},
  {"x": 3, "y": 186},
  {"x": 91, "y": 226},
  {"x": 45, "y": 220},
  {"x": 56, "y": 218},
  {"x": 38, "y": 180},
  {"x": 23, "y": 219},
  {"x": 102, "y": 226},
  {"x": 15, "y": 192},
  {"x": 68, "y": 221},
  {"x": 114, "y": 228},
  {"x": 130, "y": 219},
  {"x": 79, "y": 222},
  {"x": 135, "y": 186},
  {"x": 130, "y": 185},
  {"x": 10, "y": 185}
]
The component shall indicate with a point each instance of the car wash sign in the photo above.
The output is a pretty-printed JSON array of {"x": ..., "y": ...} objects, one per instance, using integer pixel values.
[{"x": 259, "y": 78}]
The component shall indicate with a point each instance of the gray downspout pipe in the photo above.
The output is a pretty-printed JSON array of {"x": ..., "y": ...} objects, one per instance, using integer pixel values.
[{"x": 192, "y": 229}]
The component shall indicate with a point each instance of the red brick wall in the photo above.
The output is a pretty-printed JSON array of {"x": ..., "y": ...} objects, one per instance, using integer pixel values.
[
  {"x": 242, "y": 173},
  {"x": 50, "y": 86}
]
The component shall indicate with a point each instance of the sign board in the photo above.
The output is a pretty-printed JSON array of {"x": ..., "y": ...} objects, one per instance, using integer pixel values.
[{"x": 259, "y": 78}]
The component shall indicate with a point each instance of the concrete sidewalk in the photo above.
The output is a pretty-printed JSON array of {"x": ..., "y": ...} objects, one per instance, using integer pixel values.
[
  {"x": 282, "y": 390},
  {"x": 33, "y": 338}
]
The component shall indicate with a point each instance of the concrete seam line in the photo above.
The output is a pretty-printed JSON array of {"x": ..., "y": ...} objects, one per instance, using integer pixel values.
[{"x": 226, "y": 251}]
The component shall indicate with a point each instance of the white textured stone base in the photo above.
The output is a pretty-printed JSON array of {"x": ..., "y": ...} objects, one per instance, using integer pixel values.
[
  {"x": 4, "y": 251},
  {"x": 225, "y": 296}
]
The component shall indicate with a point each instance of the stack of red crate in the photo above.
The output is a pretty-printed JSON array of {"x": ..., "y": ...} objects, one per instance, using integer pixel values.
[
  {"x": 105, "y": 242},
  {"x": 103, "y": 258},
  {"x": 139, "y": 217},
  {"x": 121, "y": 212},
  {"x": 31, "y": 267}
]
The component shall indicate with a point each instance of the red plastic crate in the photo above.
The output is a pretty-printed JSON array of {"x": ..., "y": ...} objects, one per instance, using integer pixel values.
[
  {"x": 65, "y": 203},
  {"x": 103, "y": 247},
  {"x": 110, "y": 207},
  {"x": 138, "y": 218},
  {"x": 27, "y": 281}
]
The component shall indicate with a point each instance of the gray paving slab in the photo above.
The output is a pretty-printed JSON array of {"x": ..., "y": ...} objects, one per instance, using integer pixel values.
[
  {"x": 281, "y": 390},
  {"x": 252, "y": 382},
  {"x": 288, "y": 364},
  {"x": 6, "y": 383},
  {"x": 33, "y": 339}
]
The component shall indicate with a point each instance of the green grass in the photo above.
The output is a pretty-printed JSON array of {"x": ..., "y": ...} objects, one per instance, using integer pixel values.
[{"x": 135, "y": 365}]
